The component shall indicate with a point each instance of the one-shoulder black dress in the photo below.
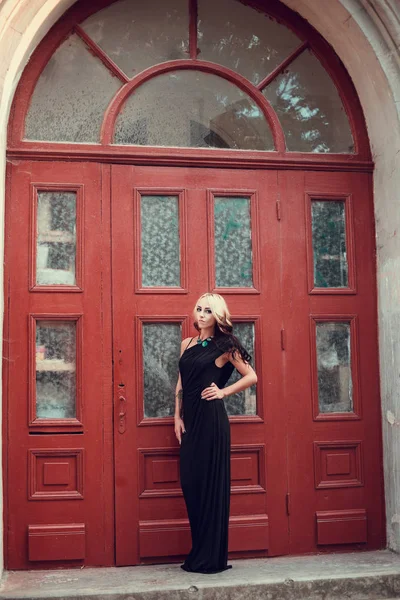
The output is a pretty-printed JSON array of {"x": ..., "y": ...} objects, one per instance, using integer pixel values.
[{"x": 205, "y": 459}]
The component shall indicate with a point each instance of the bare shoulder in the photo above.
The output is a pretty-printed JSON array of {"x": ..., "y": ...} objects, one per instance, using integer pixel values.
[{"x": 185, "y": 342}]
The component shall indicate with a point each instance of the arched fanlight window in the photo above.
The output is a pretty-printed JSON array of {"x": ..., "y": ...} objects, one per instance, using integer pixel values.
[
  {"x": 71, "y": 96},
  {"x": 192, "y": 109},
  {"x": 137, "y": 35},
  {"x": 309, "y": 108},
  {"x": 243, "y": 39},
  {"x": 190, "y": 106}
]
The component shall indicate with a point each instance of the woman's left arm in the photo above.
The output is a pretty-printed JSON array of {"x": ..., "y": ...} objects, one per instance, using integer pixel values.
[{"x": 248, "y": 378}]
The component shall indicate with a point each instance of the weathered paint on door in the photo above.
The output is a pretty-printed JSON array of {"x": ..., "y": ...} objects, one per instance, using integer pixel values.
[
  {"x": 214, "y": 209},
  {"x": 58, "y": 412},
  {"x": 306, "y": 455}
]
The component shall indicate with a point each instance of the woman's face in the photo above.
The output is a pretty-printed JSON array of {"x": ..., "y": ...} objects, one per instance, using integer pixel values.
[{"x": 204, "y": 316}]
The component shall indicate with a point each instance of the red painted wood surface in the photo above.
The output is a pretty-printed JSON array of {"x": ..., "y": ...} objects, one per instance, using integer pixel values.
[
  {"x": 65, "y": 468},
  {"x": 145, "y": 504},
  {"x": 56, "y": 542},
  {"x": 189, "y": 157},
  {"x": 58, "y": 472},
  {"x": 318, "y": 440}
]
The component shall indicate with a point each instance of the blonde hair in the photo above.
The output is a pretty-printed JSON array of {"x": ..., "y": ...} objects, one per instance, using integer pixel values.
[
  {"x": 224, "y": 337},
  {"x": 219, "y": 309}
]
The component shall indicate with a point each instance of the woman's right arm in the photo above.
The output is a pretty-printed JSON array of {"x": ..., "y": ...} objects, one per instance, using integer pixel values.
[
  {"x": 178, "y": 398},
  {"x": 179, "y": 424}
]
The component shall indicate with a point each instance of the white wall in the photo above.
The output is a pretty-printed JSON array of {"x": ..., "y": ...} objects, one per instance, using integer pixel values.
[{"x": 366, "y": 36}]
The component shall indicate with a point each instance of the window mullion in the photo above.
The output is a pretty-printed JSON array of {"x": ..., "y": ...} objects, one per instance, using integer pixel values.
[{"x": 193, "y": 50}]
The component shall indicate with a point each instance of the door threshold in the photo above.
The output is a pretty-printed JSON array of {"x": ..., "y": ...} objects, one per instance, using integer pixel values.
[{"x": 371, "y": 574}]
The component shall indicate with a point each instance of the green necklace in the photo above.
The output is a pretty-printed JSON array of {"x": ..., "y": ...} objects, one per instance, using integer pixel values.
[{"x": 204, "y": 343}]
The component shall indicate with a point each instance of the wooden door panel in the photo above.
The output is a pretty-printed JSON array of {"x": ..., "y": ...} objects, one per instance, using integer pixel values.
[
  {"x": 148, "y": 495},
  {"x": 335, "y": 472},
  {"x": 63, "y": 500}
]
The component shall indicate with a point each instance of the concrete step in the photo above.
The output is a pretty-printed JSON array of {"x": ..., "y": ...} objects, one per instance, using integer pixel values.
[{"x": 356, "y": 576}]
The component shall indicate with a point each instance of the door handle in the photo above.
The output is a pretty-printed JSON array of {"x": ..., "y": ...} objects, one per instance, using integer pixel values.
[{"x": 121, "y": 413}]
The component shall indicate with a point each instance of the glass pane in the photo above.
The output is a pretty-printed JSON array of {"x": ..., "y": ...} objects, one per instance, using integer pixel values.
[
  {"x": 243, "y": 403},
  {"x": 160, "y": 241},
  {"x": 242, "y": 38},
  {"x": 329, "y": 243},
  {"x": 309, "y": 108},
  {"x": 137, "y": 35},
  {"x": 161, "y": 348},
  {"x": 192, "y": 109},
  {"x": 55, "y": 369},
  {"x": 233, "y": 251},
  {"x": 71, "y": 96},
  {"x": 335, "y": 388},
  {"x": 56, "y": 238}
]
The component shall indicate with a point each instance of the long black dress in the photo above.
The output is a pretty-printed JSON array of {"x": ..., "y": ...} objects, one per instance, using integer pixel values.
[{"x": 205, "y": 459}]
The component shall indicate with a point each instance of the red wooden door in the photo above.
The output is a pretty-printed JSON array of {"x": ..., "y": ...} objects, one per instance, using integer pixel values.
[
  {"x": 331, "y": 380},
  {"x": 292, "y": 252},
  {"x": 177, "y": 233},
  {"x": 58, "y": 475}
]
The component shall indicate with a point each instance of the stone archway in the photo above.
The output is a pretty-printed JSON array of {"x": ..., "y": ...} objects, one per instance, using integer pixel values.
[{"x": 363, "y": 34}]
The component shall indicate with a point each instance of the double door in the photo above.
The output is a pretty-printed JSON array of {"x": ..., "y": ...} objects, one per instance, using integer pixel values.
[
  {"x": 177, "y": 234},
  {"x": 104, "y": 266}
]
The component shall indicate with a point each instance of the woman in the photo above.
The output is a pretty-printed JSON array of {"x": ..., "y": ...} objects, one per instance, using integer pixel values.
[{"x": 202, "y": 429}]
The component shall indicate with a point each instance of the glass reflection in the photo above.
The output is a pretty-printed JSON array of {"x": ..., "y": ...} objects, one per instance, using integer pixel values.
[
  {"x": 233, "y": 249},
  {"x": 242, "y": 39},
  {"x": 161, "y": 349},
  {"x": 335, "y": 386},
  {"x": 245, "y": 402},
  {"x": 56, "y": 238},
  {"x": 309, "y": 108},
  {"x": 71, "y": 96},
  {"x": 55, "y": 369},
  {"x": 329, "y": 243},
  {"x": 192, "y": 109},
  {"x": 137, "y": 35},
  {"x": 160, "y": 241}
]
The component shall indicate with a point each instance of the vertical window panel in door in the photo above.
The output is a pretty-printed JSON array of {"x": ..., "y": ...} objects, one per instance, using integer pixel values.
[
  {"x": 334, "y": 366},
  {"x": 330, "y": 244},
  {"x": 56, "y": 248},
  {"x": 234, "y": 241},
  {"x": 245, "y": 402},
  {"x": 56, "y": 370},
  {"x": 160, "y": 223},
  {"x": 161, "y": 342}
]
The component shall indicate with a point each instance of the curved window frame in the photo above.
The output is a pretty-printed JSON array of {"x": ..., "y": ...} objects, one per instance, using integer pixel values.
[
  {"x": 114, "y": 109},
  {"x": 360, "y": 159}
]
